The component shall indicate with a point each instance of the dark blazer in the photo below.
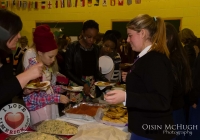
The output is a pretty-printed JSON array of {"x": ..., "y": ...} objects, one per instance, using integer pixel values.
[
  {"x": 149, "y": 88},
  {"x": 73, "y": 64},
  {"x": 195, "y": 94},
  {"x": 9, "y": 84},
  {"x": 190, "y": 51}
]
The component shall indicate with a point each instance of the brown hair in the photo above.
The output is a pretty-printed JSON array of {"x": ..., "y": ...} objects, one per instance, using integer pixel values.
[
  {"x": 187, "y": 36},
  {"x": 156, "y": 28},
  {"x": 179, "y": 60}
]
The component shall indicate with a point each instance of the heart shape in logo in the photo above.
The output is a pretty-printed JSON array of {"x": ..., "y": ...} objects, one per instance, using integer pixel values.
[{"x": 14, "y": 120}]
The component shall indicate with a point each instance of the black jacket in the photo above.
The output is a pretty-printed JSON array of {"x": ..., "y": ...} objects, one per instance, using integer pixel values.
[
  {"x": 195, "y": 94},
  {"x": 9, "y": 85},
  {"x": 149, "y": 89},
  {"x": 73, "y": 64},
  {"x": 190, "y": 51}
]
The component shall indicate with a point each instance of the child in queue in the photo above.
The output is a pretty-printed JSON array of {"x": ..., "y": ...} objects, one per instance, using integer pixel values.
[{"x": 42, "y": 104}]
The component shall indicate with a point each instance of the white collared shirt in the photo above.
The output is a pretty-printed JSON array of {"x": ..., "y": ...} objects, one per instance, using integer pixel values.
[{"x": 143, "y": 52}]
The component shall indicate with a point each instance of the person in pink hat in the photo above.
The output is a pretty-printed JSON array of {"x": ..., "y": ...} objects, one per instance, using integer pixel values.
[{"x": 43, "y": 104}]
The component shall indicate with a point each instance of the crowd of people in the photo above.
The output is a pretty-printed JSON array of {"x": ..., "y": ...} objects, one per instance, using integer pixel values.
[{"x": 160, "y": 67}]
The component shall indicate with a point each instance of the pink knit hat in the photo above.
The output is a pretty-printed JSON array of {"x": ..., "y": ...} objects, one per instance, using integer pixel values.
[{"x": 44, "y": 39}]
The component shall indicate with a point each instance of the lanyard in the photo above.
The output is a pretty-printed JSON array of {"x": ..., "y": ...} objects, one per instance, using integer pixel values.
[{"x": 134, "y": 63}]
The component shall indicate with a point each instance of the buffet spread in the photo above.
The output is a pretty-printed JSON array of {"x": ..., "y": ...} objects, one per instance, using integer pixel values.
[{"x": 84, "y": 113}]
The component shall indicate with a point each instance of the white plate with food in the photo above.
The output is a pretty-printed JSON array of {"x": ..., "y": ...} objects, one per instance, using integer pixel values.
[
  {"x": 39, "y": 85},
  {"x": 103, "y": 84},
  {"x": 73, "y": 88}
]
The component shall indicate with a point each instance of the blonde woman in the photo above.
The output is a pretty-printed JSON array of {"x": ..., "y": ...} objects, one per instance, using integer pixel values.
[{"x": 149, "y": 83}]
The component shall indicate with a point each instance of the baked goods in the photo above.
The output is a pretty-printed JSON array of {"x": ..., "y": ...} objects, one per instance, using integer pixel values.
[
  {"x": 84, "y": 109},
  {"x": 36, "y": 136},
  {"x": 116, "y": 115},
  {"x": 57, "y": 127}
]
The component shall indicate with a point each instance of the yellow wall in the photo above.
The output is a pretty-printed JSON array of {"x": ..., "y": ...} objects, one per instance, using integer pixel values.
[{"x": 188, "y": 10}]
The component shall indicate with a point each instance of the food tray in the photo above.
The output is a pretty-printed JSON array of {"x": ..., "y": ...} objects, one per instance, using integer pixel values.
[
  {"x": 34, "y": 127},
  {"x": 15, "y": 136},
  {"x": 99, "y": 116},
  {"x": 83, "y": 116}
]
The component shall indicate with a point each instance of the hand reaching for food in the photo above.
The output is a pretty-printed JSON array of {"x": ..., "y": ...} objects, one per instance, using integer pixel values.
[
  {"x": 115, "y": 96},
  {"x": 64, "y": 99}
]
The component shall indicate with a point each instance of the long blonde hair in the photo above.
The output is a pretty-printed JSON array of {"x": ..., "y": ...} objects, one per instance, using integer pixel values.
[{"x": 156, "y": 28}]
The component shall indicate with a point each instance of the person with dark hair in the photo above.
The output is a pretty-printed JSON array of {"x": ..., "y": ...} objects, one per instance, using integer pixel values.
[
  {"x": 99, "y": 39},
  {"x": 194, "y": 115},
  {"x": 182, "y": 76},
  {"x": 189, "y": 40},
  {"x": 4, "y": 34},
  {"x": 82, "y": 61},
  {"x": 109, "y": 45},
  {"x": 11, "y": 85},
  {"x": 109, "y": 48},
  {"x": 117, "y": 34},
  {"x": 62, "y": 43},
  {"x": 149, "y": 83}
]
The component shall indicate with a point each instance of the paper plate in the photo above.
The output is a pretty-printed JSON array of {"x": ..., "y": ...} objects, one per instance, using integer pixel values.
[
  {"x": 33, "y": 85},
  {"x": 73, "y": 89},
  {"x": 106, "y": 64}
]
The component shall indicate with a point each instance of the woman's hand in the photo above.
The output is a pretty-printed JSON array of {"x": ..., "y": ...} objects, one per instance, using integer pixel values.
[
  {"x": 124, "y": 74},
  {"x": 86, "y": 89},
  {"x": 64, "y": 99},
  {"x": 115, "y": 96},
  {"x": 30, "y": 74},
  {"x": 35, "y": 71}
]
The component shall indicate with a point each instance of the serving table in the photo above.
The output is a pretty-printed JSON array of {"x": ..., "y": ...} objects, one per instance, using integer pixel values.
[{"x": 3, "y": 136}]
